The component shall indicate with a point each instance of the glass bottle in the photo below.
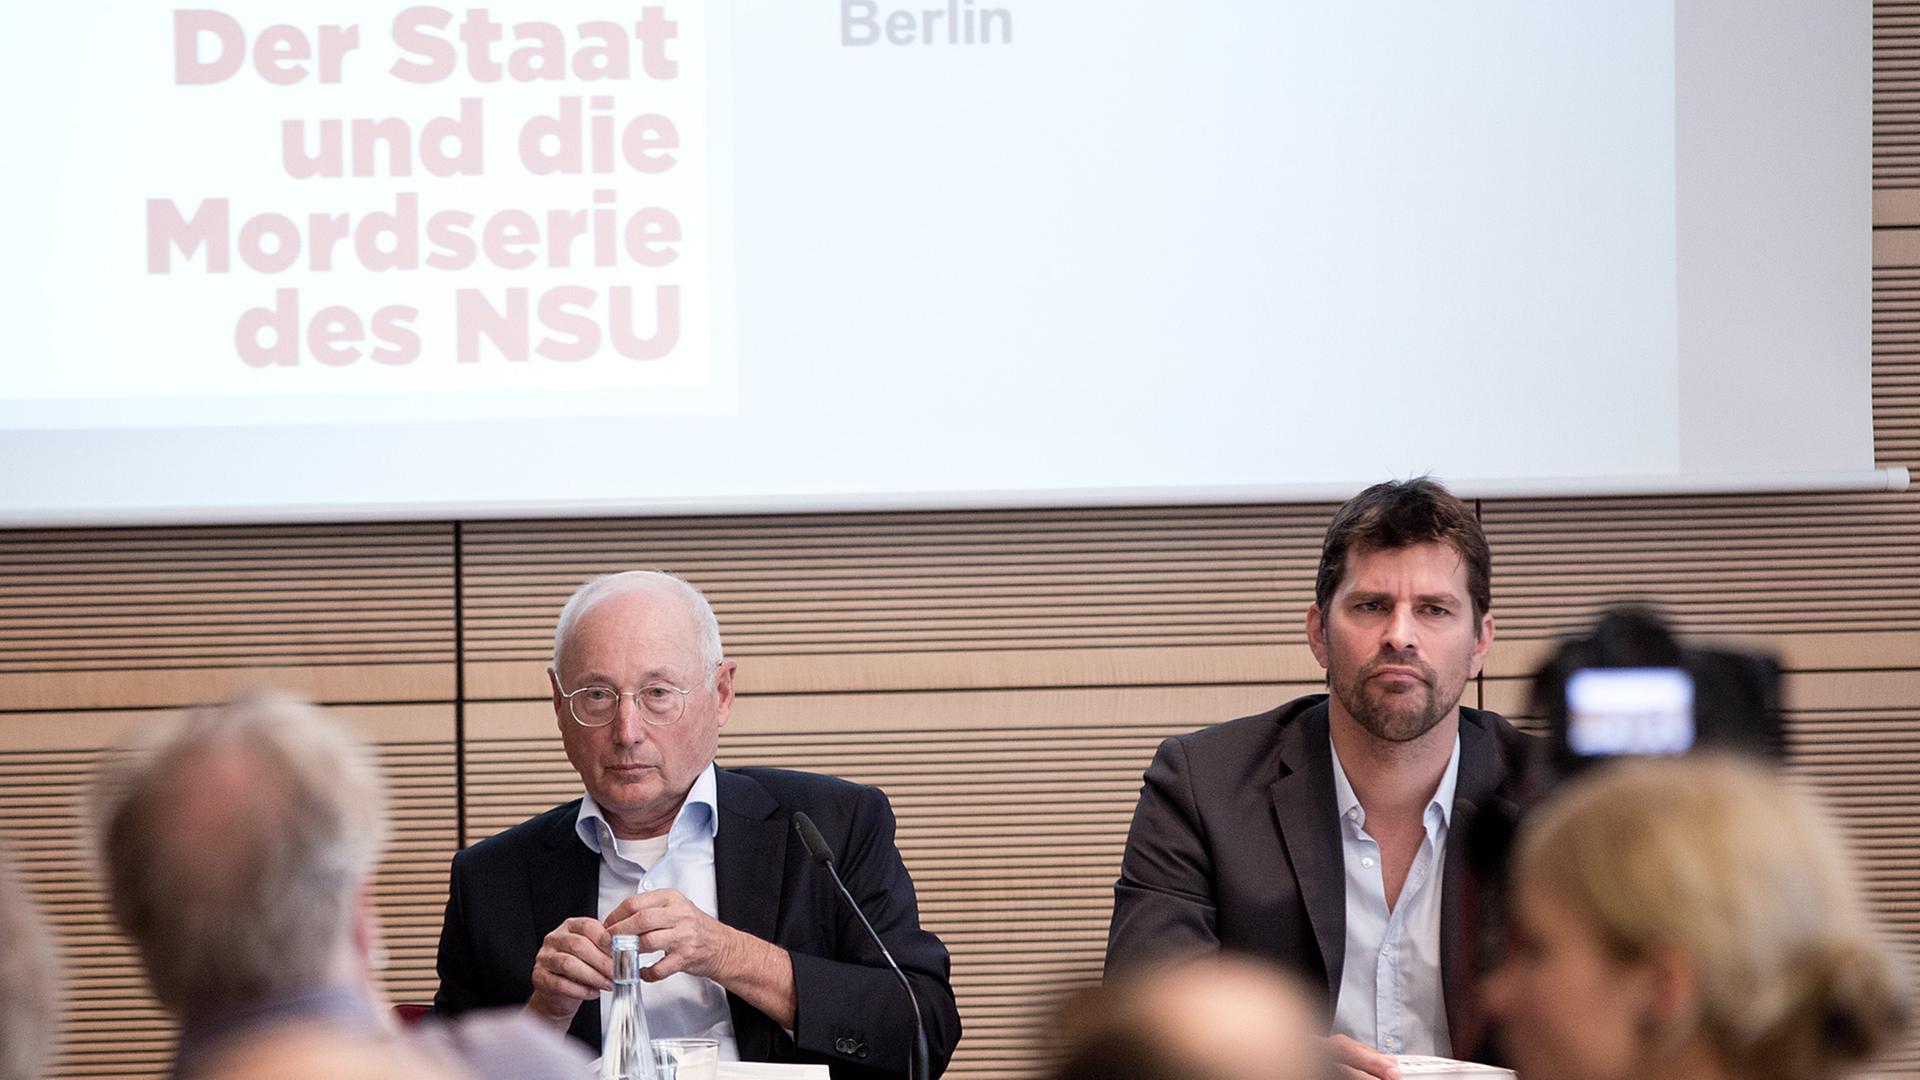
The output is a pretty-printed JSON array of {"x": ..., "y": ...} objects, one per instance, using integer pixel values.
[{"x": 626, "y": 1052}]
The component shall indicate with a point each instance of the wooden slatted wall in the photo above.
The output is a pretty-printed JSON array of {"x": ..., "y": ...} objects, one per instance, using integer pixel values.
[
  {"x": 1003, "y": 675},
  {"x": 102, "y": 631}
]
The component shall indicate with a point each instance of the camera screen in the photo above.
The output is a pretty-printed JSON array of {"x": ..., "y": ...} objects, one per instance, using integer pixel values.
[{"x": 1629, "y": 711}]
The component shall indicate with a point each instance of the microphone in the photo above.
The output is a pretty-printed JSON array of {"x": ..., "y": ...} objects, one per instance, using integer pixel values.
[{"x": 817, "y": 847}]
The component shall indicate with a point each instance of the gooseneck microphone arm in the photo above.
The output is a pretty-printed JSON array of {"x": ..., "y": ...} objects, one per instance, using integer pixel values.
[{"x": 822, "y": 854}]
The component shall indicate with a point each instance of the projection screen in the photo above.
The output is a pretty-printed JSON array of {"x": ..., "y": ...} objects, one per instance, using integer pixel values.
[{"x": 275, "y": 261}]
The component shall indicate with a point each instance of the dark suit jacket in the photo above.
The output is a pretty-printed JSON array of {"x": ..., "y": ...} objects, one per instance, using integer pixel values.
[
  {"x": 509, "y": 891},
  {"x": 1235, "y": 845}
]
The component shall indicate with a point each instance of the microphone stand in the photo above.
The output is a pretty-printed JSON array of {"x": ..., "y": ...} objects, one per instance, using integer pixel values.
[{"x": 817, "y": 847}]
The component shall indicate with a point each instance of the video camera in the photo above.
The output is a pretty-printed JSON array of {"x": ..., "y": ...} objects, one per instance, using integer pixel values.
[{"x": 1627, "y": 687}]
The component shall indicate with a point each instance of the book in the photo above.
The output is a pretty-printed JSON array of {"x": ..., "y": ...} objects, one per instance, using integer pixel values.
[{"x": 1412, "y": 1065}]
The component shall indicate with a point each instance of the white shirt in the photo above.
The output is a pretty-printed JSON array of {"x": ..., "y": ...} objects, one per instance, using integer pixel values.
[
  {"x": 1390, "y": 993},
  {"x": 680, "y": 1006}
]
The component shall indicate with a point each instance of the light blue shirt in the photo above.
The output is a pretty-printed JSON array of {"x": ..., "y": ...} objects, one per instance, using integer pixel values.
[
  {"x": 1390, "y": 992},
  {"x": 680, "y": 1006}
]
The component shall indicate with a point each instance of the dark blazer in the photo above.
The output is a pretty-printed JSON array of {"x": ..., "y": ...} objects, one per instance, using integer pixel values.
[
  {"x": 1235, "y": 845},
  {"x": 509, "y": 891}
]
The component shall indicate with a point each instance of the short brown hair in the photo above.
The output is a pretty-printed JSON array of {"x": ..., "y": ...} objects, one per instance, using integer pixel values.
[{"x": 1401, "y": 513}]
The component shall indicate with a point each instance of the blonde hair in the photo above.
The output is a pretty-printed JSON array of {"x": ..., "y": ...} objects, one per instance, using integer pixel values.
[
  {"x": 1215, "y": 1017},
  {"x": 1747, "y": 878}
]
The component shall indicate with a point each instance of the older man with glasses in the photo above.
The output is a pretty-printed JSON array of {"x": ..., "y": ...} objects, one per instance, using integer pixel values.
[{"x": 754, "y": 948}]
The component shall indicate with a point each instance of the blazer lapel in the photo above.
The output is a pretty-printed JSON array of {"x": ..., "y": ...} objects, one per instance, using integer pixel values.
[
  {"x": 749, "y": 870},
  {"x": 1463, "y": 897},
  {"x": 1303, "y": 808},
  {"x": 564, "y": 882}
]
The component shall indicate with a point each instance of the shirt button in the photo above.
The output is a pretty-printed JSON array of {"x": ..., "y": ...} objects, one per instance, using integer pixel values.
[
  {"x": 1392, "y": 1043},
  {"x": 1366, "y": 861},
  {"x": 647, "y": 885}
]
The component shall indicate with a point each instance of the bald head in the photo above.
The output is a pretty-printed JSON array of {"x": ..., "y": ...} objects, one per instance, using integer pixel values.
[
  {"x": 1221, "y": 1018},
  {"x": 701, "y": 626}
]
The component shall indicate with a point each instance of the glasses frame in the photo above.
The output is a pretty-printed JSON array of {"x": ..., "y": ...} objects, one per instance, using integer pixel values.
[{"x": 646, "y": 717}]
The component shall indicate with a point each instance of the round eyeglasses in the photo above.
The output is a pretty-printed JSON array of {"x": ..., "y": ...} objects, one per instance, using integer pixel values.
[{"x": 660, "y": 704}]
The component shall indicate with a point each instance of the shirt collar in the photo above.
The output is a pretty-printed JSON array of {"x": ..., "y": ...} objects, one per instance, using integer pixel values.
[
  {"x": 1449, "y": 780},
  {"x": 699, "y": 816},
  {"x": 348, "y": 1008},
  {"x": 1349, "y": 803}
]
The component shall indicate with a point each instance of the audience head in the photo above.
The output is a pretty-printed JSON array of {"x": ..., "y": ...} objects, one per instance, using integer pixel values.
[
  {"x": 1690, "y": 917},
  {"x": 238, "y": 843},
  {"x": 26, "y": 981},
  {"x": 1221, "y": 1018},
  {"x": 1402, "y": 513}
]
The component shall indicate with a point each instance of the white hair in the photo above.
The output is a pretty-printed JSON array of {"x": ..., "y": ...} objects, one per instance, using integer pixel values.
[
  {"x": 610, "y": 585},
  {"x": 236, "y": 843}
]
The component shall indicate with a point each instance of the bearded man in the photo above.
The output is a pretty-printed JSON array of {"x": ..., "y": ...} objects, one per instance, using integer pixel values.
[{"x": 1318, "y": 834}]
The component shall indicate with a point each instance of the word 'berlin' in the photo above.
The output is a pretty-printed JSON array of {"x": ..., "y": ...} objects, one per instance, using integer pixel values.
[{"x": 959, "y": 23}]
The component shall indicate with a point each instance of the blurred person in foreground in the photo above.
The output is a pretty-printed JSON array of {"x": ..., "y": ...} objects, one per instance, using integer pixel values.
[
  {"x": 1691, "y": 918},
  {"x": 26, "y": 981},
  {"x": 1218, "y": 1018},
  {"x": 240, "y": 844}
]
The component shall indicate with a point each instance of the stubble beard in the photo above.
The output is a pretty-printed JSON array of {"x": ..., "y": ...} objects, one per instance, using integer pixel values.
[{"x": 1395, "y": 716}]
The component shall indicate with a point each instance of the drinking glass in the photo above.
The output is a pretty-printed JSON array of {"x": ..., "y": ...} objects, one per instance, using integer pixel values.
[{"x": 686, "y": 1059}]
